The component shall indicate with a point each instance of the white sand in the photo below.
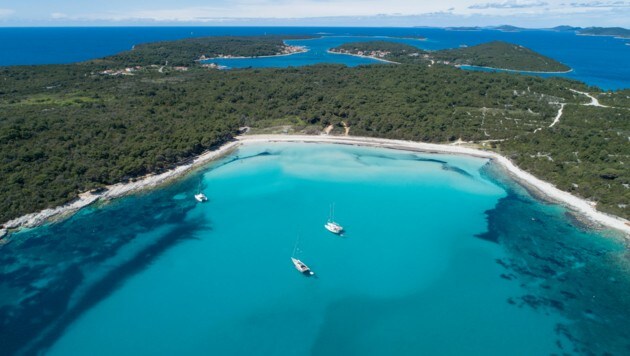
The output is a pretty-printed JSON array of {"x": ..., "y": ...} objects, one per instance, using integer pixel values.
[
  {"x": 574, "y": 203},
  {"x": 546, "y": 189}
]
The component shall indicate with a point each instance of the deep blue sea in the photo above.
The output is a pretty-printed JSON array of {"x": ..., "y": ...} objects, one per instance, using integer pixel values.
[
  {"x": 599, "y": 61},
  {"x": 442, "y": 255}
]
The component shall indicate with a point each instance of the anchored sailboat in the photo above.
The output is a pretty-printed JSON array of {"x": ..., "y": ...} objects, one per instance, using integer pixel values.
[
  {"x": 299, "y": 265},
  {"x": 331, "y": 225},
  {"x": 200, "y": 197}
]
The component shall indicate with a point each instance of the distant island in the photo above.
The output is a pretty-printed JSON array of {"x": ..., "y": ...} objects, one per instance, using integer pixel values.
[
  {"x": 605, "y": 31},
  {"x": 69, "y": 129},
  {"x": 496, "y": 54},
  {"x": 585, "y": 31},
  {"x": 186, "y": 51}
]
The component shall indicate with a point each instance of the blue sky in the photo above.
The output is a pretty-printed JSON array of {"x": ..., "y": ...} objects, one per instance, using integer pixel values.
[{"x": 526, "y": 13}]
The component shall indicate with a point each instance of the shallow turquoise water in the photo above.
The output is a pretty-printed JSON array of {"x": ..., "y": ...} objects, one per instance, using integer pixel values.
[
  {"x": 317, "y": 53},
  {"x": 441, "y": 256}
]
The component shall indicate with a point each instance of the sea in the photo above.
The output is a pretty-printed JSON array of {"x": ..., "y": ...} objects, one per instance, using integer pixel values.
[
  {"x": 441, "y": 254},
  {"x": 596, "y": 60}
]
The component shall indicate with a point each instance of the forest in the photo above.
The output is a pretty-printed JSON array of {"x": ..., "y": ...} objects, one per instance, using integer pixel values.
[
  {"x": 496, "y": 54},
  {"x": 185, "y": 52},
  {"x": 66, "y": 129}
]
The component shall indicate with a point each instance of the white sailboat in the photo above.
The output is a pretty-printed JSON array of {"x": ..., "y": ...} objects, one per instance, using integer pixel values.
[
  {"x": 331, "y": 225},
  {"x": 201, "y": 197},
  {"x": 299, "y": 265}
]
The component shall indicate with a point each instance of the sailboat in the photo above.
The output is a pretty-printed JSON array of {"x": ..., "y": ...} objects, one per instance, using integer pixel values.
[
  {"x": 200, "y": 197},
  {"x": 331, "y": 225},
  {"x": 299, "y": 265}
]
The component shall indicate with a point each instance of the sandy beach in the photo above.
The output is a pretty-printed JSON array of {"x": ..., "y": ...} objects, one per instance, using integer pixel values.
[
  {"x": 361, "y": 56},
  {"x": 545, "y": 189}
]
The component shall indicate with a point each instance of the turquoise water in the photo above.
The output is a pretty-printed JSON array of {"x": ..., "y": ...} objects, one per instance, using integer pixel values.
[
  {"x": 442, "y": 255},
  {"x": 317, "y": 53}
]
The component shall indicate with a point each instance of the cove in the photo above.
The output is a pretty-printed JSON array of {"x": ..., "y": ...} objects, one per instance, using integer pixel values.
[{"x": 443, "y": 254}]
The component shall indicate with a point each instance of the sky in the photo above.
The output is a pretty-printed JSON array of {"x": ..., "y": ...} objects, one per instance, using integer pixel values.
[{"x": 441, "y": 13}]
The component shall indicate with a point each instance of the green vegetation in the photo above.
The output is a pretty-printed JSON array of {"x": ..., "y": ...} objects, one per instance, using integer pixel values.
[
  {"x": 185, "y": 52},
  {"x": 65, "y": 129},
  {"x": 619, "y": 99},
  {"x": 503, "y": 55},
  {"x": 495, "y": 54}
]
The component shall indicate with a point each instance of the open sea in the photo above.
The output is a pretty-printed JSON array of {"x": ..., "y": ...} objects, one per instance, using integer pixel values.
[
  {"x": 442, "y": 254},
  {"x": 598, "y": 61}
]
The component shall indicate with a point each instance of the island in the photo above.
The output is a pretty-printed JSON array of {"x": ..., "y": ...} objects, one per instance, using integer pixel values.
[
  {"x": 619, "y": 32},
  {"x": 605, "y": 31},
  {"x": 72, "y": 129},
  {"x": 187, "y": 51},
  {"x": 496, "y": 54}
]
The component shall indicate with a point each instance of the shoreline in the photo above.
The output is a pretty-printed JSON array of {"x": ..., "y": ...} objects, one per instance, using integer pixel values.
[
  {"x": 303, "y": 49},
  {"x": 113, "y": 191},
  {"x": 546, "y": 190},
  {"x": 461, "y": 66},
  {"x": 360, "y": 56}
]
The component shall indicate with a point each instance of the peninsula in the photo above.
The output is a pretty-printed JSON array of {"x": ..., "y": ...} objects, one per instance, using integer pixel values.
[{"x": 496, "y": 54}]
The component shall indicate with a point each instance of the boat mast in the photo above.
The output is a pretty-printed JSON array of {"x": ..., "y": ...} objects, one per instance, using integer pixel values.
[
  {"x": 296, "y": 245},
  {"x": 332, "y": 214}
]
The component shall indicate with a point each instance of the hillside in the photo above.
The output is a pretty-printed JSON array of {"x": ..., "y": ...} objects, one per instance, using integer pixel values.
[{"x": 503, "y": 55}]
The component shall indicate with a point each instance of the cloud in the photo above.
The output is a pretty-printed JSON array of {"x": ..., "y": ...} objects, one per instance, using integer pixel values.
[
  {"x": 269, "y": 9},
  {"x": 508, "y": 5},
  {"x": 58, "y": 16},
  {"x": 600, "y": 4},
  {"x": 6, "y": 12}
]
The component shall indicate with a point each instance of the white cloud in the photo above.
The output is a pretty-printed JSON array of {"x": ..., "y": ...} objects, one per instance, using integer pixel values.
[
  {"x": 508, "y": 5},
  {"x": 278, "y": 9},
  {"x": 333, "y": 12},
  {"x": 601, "y": 4},
  {"x": 6, "y": 13},
  {"x": 58, "y": 16}
]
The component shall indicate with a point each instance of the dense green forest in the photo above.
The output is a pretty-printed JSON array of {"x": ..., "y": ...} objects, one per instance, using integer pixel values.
[
  {"x": 65, "y": 129},
  {"x": 496, "y": 54},
  {"x": 184, "y": 52}
]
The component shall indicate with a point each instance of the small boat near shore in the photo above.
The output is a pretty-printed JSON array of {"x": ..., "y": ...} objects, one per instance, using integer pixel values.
[
  {"x": 201, "y": 197},
  {"x": 301, "y": 267}
]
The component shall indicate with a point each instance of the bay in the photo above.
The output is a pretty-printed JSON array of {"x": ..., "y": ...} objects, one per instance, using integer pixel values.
[{"x": 442, "y": 254}]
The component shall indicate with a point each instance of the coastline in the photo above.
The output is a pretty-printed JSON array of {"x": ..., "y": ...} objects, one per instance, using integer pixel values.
[
  {"x": 303, "y": 49},
  {"x": 543, "y": 188},
  {"x": 546, "y": 190},
  {"x": 461, "y": 66},
  {"x": 360, "y": 56},
  {"x": 114, "y": 191}
]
